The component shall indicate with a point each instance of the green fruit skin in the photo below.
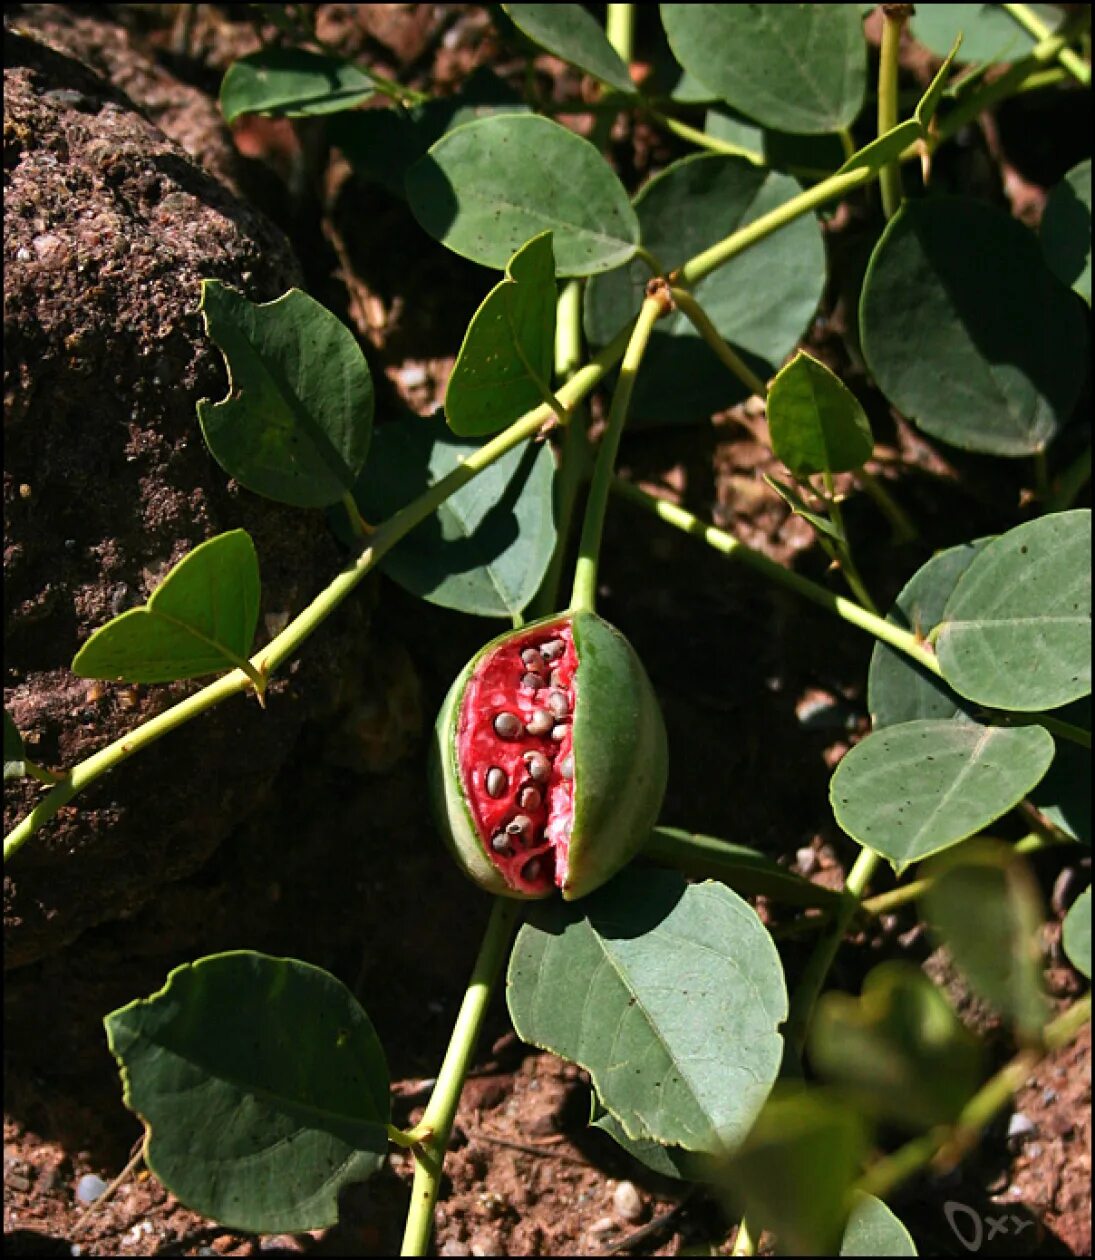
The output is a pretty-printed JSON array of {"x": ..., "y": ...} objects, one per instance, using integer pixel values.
[{"x": 620, "y": 755}]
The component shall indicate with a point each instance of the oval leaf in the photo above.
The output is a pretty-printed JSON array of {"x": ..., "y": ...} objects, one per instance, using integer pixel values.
[
  {"x": 945, "y": 321},
  {"x": 873, "y": 1230},
  {"x": 796, "y": 67},
  {"x": 668, "y": 994},
  {"x": 815, "y": 422},
  {"x": 669, "y": 1161},
  {"x": 898, "y": 688},
  {"x": 898, "y": 1051},
  {"x": 1064, "y": 795},
  {"x": 1016, "y": 632},
  {"x": 485, "y": 188},
  {"x": 262, "y": 1087},
  {"x": 910, "y": 790},
  {"x": 571, "y": 33},
  {"x": 15, "y": 757},
  {"x": 487, "y": 547},
  {"x": 1066, "y": 230},
  {"x": 760, "y": 302},
  {"x": 292, "y": 83},
  {"x": 297, "y": 419},
  {"x": 797, "y": 1168},
  {"x": 1076, "y": 933},
  {"x": 380, "y": 144},
  {"x": 504, "y": 365},
  {"x": 200, "y": 620},
  {"x": 983, "y": 904},
  {"x": 988, "y": 33}
]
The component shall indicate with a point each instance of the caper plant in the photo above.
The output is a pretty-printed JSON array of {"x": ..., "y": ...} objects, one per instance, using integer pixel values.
[{"x": 549, "y": 754}]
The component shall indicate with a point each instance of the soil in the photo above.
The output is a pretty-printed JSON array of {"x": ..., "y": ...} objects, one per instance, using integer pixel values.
[{"x": 320, "y": 850}]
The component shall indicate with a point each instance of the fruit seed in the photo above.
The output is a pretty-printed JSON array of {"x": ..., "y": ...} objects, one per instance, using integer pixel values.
[
  {"x": 566, "y": 767},
  {"x": 533, "y": 660},
  {"x": 507, "y": 725},
  {"x": 499, "y": 842},
  {"x": 530, "y": 798},
  {"x": 532, "y": 681},
  {"x": 559, "y": 732},
  {"x": 540, "y": 723},
  {"x": 539, "y": 767},
  {"x": 553, "y": 649},
  {"x": 521, "y": 826},
  {"x": 558, "y": 704},
  {"x": 496, "y": 782}
]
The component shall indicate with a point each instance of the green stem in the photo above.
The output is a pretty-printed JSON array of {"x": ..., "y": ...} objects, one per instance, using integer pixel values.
[
  {"x": 846, "y": 609},
  {"x": 903, "y": 528},
  {"x": 726, "y": 354},
  {"x": 651, "y": 260},
  {"x": 844, "y": 558},
  {"x": 813, "y": 975},
  {"x": 431, "y": 1134},
  {"x": 1070, "y": 482},
  {"x": 584, "y": 594},
  {"x": 1033, "y": 25},
  {"x": 284, "y": 645},
  {"x": 705, "y": 857},
  {"x": 1041, "y": 476},
  {"x": 1056, "y": 726},
  {"x": 695, "y": 136},
  {"x": 620, "y": 30},
  {"x": 889, "y": 178},
  {"x": 574, "y": 461},
  {"x": 945, "y": 1146},
  {"x": 357, "y": 521}
]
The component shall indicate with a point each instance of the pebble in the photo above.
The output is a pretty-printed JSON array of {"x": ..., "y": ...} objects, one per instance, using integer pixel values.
[
  {"x": 604, "y": 1226},
  {"x": 454, "y": 1248},
  {"x": 1020, "y": 1126},
  {"x": 89, "y": 1188},
  {"x": 1049, "y": 1095},
  {"x": 806, "y": 860},
  {"x": 627, "y": 1203}
]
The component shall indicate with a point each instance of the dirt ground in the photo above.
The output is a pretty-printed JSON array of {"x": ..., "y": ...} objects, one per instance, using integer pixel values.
[{"x": 759, "y": 708}]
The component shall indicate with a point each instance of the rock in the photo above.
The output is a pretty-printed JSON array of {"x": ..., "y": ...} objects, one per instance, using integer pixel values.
[
  {"x": 1020, "y": 1126},
  {"x": 89, "y": 1188},
  {"x": 627, "y": 1203},
  {"x": 109, "y": 228}
]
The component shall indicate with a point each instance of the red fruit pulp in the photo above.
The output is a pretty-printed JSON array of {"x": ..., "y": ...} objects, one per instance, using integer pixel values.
[{"x": 534, "y": 859}]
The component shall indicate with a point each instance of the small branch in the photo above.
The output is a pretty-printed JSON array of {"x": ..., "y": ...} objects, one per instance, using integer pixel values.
[
  {"x": 1033, "y": 25},
  {"x": 726, "y": 354},
  {"x": 894, "y": 17}
]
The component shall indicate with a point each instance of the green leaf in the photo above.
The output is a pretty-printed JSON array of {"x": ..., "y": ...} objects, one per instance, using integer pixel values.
[
  {"x": 790, "y": 495},
  {"x": 200, "y": 620},
  {"x": 983, "y": 904},
  {"x": 487, "y": 187},
  {"x": 873, "y": 1230},
  {"x": 504, "y": 365},
  {"x": 815, "y": 422},
  {"x": 262, "y": 1087},
  {"x": 292, "y": 83},
  {"x": 669, "y": 1161},
  {"x": 779, "y": 150},
  {"x": 929, "y": 102},
  {"x": 797, "y": 1168},
  {"x": 486, "y": 548},
  {"x": 945, "y": 323},
  {"x": 296, "y": 421},
  {"x": 899, "y": 1052},
  {"x": 898, "y": 688},
  {"x": 988, "y": 33},
  {"x": 910, "y": 790},
  {"x": 1016, "y": 632},
  {"x": 572, "y": 34},
  {"x": 1076, "y": 933},
  {"x": 668, "y": 994},
  {"x": 14, "y": 753},
  {"x": 1066, "y": 230},
  {"x": 1064, "y": 795},
  {"x": 380, "y": 144},
  {"x": 800, "y": 68},
  {"x": 760, "y": 302},
  {"x": 886, "y": 148},
  {"x": 746, "y": 870}
]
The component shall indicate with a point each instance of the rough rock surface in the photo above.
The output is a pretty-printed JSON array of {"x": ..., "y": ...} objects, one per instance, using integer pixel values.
[{"x": 109, "y": 227}]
